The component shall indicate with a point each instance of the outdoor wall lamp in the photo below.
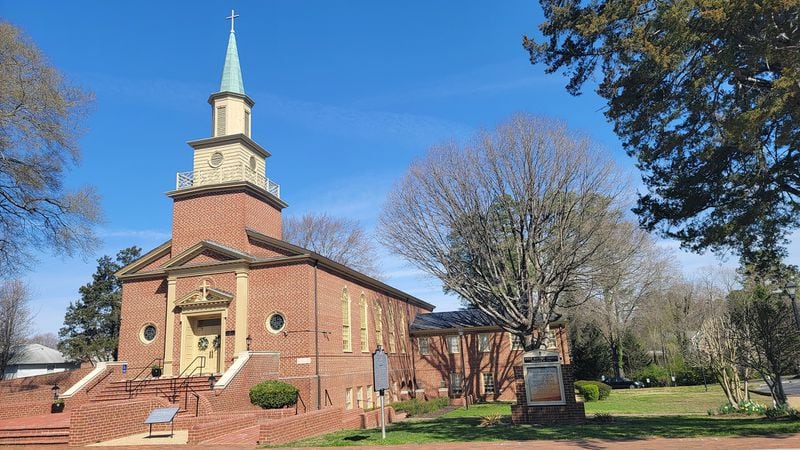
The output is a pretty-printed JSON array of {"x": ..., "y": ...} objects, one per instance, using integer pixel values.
[{"x": 249, "y": 341}]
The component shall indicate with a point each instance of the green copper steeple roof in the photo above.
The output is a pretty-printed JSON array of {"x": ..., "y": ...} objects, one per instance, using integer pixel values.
[{"x": 232, "y": 73}]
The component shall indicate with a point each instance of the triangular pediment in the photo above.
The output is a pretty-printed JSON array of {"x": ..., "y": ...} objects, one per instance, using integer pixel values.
[
  {"x": 207, "y": 252},
  {"x": 147, "y": 261},
  {"x": 204, "y": 298}
]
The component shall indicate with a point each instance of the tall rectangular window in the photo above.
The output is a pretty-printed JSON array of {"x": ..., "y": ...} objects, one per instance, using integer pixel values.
[
  {"x": 247, "y": 123},
  {"x": 424, "y": 346},
  {"x": 360, "y": 397},
  {"x": 369, "y": 396},
  {"x": 402, "y": 333},
  {"x": 516, "y": 343},
  {"x": 392, "y": 343},
  {"x": 348, "y": 398},
  {"x": 456, "y": 383},
  {"x": 364, "y": 335},
  {"x": 483, "y": 343},
  {"x": 221, "y": 120},
  {"x": 452, "y": 344},
  {"x": 488, "y": 383},
  {"x": 378, "y": 325},
  {"x": 347, "y": 341}
]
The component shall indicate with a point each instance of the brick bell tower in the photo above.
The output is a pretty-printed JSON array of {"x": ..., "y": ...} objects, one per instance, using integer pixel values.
[{"x": 227, "y": 191}]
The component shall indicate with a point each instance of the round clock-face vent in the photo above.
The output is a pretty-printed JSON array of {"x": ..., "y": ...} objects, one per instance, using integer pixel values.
[{"x": 216, "y": 159}]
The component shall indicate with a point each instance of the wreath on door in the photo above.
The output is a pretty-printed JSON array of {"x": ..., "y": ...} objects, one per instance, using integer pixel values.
[
  {"x": 202, "y": 343},
  {"x": 217, "y": 342}
]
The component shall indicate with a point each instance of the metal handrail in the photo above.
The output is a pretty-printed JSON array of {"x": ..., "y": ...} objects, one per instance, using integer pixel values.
[
  {"x": 196, "y": 401},
  {"x": 129, "y": 383},
  {"x": 185, "y": 384}
]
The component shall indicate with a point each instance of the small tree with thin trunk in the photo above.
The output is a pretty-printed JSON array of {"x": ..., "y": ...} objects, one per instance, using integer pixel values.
[
  {"x": 15, "y": 320},
  {"x": 513, "y": 223},
  {"x": 766, "y": 332}
]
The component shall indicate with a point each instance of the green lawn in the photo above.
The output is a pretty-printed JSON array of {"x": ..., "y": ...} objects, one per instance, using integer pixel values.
[
  {"x": 676, "y": 400},
  {"x": 463, "y": 425}
]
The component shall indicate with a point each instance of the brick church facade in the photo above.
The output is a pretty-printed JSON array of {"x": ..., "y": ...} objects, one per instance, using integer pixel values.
[{"x": 226, "y": 285}]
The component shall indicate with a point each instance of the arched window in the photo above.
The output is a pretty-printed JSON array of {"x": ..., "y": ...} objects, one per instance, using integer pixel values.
[
  {"x": 347, "y": 341},
  {"x": 378, "y": 324},
  {"x": 364, "y": 336},
  {"x": 402, "y": 333}
]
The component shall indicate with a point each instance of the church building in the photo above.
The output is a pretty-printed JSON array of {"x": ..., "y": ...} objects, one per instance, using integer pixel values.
[{"x": 226, "y": 284}]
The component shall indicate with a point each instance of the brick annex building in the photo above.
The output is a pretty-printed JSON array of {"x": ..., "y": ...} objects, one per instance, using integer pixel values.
[{"x": 227, "y": 297}]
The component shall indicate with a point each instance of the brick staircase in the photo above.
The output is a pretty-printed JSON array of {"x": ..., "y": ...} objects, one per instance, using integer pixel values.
[
  {"x": 172, "y": 389},
  {"x": 36, "y": 430}
]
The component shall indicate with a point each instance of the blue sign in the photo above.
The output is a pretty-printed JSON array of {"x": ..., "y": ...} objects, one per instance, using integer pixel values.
[{"x": 124, "y": 368}]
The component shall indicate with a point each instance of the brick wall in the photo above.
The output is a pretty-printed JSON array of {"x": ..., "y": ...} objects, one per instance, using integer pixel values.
[
  {"x": 222, "y": 217},
  {"x": 570, "y": 412},
  {"x": 143, "y": 302},
  {"x": 209, "y": 428},
  {"x": 236, "y": 396},
  {"x": 437, "y": 366},
  {"x": 281, "y": 431},
  {"x": 101, "y": 421}
]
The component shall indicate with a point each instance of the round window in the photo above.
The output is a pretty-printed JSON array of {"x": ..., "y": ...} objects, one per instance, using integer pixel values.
[
  {"x": 276, "y": 322},
  {"x": 148, "y": 333},
  {"x": 216, "y": 159}
]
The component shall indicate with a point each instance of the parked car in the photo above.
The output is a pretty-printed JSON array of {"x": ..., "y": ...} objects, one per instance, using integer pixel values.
[{"x": 623, "y": 383}]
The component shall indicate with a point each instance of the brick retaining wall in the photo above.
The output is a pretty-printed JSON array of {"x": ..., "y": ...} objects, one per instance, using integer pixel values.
[{"x": 101, "y": 421}]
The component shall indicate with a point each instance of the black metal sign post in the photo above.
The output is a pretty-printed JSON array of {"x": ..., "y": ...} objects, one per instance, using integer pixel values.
[{"x": 380, "y": 381}]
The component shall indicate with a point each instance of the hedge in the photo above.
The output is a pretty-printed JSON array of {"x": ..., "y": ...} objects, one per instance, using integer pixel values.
[
  {"x": 604, "y": 390},
  {"x": 273, "y": 394}
]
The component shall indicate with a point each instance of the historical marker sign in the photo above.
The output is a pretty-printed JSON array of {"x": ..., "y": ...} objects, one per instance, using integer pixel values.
[
  {"x": 380, "y": 370},
  {"x": 380, "y": 379}
]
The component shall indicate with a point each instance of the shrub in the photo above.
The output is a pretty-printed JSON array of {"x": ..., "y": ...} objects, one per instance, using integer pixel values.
[
  {"x": 747, "y": 408},
  {"x": 273, "y": 394},
  {"x": 775, "y": 412},
  {"x": 590, "y": 392},
  {"x": 604, "y": 390},
  {"x": 658, "y": 375},
  {"x": 416, "y": 407}
]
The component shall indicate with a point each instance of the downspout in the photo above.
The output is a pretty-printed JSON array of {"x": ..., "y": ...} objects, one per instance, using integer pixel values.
[
  {"x": 316, "y": 338},
  {"x": 413, "y": 356}
]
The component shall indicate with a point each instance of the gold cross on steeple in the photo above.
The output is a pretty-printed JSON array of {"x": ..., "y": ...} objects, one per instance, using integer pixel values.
[{"x": 232, "y": 17}]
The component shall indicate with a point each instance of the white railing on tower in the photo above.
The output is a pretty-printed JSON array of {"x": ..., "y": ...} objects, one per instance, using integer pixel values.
[{"x": 185, "y": 180}]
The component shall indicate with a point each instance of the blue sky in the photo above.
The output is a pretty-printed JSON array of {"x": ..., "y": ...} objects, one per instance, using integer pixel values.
[{"x": 347, "y": 95}]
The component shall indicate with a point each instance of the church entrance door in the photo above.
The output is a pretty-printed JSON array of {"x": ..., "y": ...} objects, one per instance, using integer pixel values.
[{"x": 203, "y": 338}]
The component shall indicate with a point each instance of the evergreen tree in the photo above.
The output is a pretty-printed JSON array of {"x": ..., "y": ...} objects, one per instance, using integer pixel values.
[
  {"x": 91, "y": 324},
  {"x": 704, "y": 94}
]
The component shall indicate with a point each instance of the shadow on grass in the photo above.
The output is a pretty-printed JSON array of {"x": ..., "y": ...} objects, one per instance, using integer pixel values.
[{"x": 465, "y": 429}]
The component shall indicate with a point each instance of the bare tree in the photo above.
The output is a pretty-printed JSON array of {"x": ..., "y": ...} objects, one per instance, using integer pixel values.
[
  {"x": 633, "y": 272},
  {"x": 339, "y": 239},
  {"x": 766, "y": 334},
  {"x": 39, "y": 116},
  {"x": 15, "y": 320},
  {"x": 514, "y": 223},
  {"x": 46, "y": 339}
]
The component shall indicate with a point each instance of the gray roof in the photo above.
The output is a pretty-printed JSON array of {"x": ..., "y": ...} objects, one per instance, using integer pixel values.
[
  {"x": 37, "y": 354},
  {"x": 466, "y": 318}
]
